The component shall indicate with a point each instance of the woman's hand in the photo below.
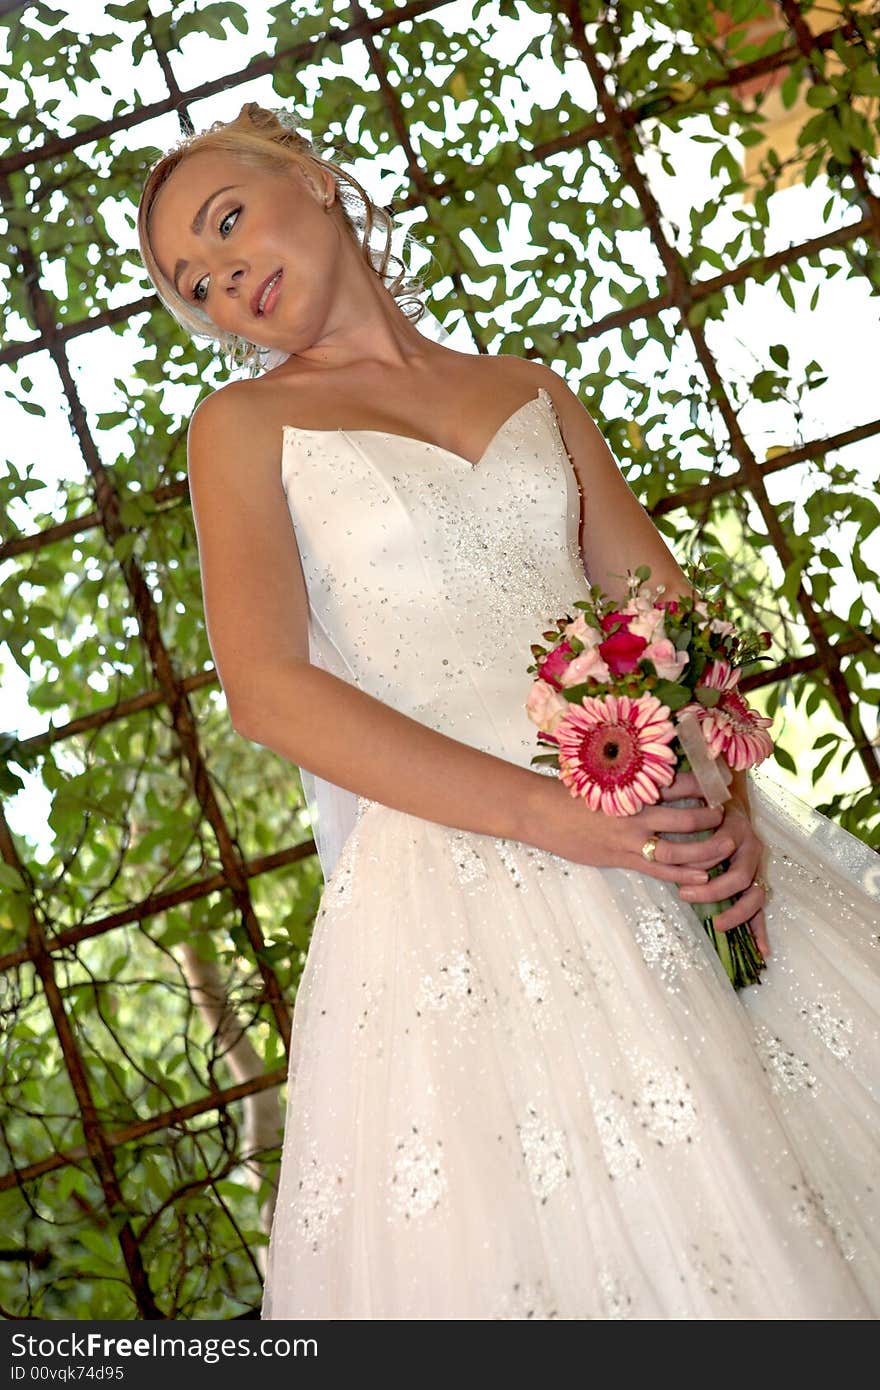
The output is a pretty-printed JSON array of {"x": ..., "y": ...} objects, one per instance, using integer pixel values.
[
  {"x": 746, "y": 860},
  {"x": 565, "y": 826}
]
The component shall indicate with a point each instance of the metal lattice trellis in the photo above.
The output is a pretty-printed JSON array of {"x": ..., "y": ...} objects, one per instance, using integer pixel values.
[{"x": 106, "y": 1139}]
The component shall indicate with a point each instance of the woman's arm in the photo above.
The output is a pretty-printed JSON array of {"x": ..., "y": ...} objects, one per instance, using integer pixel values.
[{"x": 618, "y": 535}]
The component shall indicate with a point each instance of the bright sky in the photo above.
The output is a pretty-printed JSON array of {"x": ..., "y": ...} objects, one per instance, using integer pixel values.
[{"x": 842, "y": 332}]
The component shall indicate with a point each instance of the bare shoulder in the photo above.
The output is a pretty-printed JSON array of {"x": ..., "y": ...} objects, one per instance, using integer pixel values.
[
  {"x": 254, "y": 591},
  {"x": 531, "y": 375},
  {"x": 504, "y": 371},
  {"x": 234, "y": 412}
]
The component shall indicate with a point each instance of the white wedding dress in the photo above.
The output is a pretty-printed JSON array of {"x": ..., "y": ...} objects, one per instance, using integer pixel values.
[{"x": 522, "y": 1087}]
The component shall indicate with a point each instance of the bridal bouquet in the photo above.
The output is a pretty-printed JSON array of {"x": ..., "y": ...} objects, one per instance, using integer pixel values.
[{"x": 604, "y": 696}]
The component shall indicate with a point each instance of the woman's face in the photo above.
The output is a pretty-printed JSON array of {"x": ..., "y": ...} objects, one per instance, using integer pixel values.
[{"x": 222, "y": 247}]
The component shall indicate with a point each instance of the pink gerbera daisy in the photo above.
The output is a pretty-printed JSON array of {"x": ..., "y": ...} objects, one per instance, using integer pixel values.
[
  {"x": 732, "y": 729},
  {"x": 615, "y": 753}
]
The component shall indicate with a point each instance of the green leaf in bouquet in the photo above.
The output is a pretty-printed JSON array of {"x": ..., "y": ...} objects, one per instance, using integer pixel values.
[
  {"x": 545, "y": 758},
  {"x": 575, "y": 693},
  {"x": 671, "y": 693},
  {"x": 708, "y": 696}
]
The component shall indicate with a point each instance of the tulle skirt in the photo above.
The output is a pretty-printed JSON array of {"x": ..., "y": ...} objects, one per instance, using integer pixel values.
[{"x": 524, "y": 1088}]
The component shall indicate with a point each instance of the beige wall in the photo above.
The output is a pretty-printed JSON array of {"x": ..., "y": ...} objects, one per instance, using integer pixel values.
[{"x": 783, "y": 124}]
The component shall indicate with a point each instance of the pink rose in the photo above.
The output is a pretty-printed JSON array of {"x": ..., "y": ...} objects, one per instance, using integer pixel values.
[
  {"x": 649, "y": 625},
  {"x": 645, "y": 619},
  {"x": 580, "y": 628},
  {"x": 668, "y": 662},
  {"x": 588, "y": 664},
  {"x": 716, "y": 624},
  {"x": 545, "y": 707}
]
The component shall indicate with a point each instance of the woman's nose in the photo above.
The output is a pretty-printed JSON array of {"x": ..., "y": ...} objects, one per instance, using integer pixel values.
[{"x": 234, "y": 278}]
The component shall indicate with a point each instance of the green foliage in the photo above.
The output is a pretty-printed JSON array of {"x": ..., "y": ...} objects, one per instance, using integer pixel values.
[{"x": 126, "y": 825}]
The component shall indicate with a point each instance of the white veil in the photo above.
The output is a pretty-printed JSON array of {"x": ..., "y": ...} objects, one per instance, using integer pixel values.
[{"x": 333, "y": 810}]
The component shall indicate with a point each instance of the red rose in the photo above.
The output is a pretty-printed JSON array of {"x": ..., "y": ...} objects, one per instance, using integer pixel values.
[
  {"x": 621, "y": 652},
  {"x": 611, "y": 619},
  {"x": 551, "y": 667}
]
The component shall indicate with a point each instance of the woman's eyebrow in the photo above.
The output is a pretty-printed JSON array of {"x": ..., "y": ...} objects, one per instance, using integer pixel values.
[{"x": 198, "y": 223}]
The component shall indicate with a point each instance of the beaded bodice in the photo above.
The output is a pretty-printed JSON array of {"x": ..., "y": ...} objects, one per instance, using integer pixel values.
[{"x": 428, "y": 576}]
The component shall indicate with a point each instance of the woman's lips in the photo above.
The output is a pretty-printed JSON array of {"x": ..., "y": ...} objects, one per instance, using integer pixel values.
[{"x": 272, "y": 297}]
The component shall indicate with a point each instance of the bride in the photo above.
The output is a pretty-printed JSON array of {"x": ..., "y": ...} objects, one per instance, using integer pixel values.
[{"x": 521, "y": 1085}]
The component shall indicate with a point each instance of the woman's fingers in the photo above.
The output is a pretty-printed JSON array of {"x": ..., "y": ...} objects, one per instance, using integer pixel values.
[
  {"x": 683, "y": 819},
  {"x": 748, "y": 906},
  {"x": 736, "y": 879},
  {"x": 759, "y": 932},
  {"x": 744, "y": 853},
  {"x": 670, "y": 873},
  {"x": 711, "y": 862},
  {"x": 684, "y": 861},
  {"x": 684, "y": 784},
  {"x": 750, "y": 901},
  {"x": 697, "y": 853},
  {"x": 704, "y": 854}
]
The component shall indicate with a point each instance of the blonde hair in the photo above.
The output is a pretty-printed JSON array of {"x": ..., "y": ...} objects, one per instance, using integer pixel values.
[{"x": 267, "y": 139}]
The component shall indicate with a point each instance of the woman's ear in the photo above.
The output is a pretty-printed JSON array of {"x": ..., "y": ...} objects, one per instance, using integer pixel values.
[{"x": 320, "y": 184}]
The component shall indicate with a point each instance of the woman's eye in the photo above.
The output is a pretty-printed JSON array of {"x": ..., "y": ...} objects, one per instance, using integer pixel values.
[
  {"x": 233, "y": 213},
  {"x": 195, "y": 293}
]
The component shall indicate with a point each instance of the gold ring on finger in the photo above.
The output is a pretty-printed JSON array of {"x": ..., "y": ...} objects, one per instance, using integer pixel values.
[
  {"x": 649, "y": 848},
  {"x": 758, "y": 882}
]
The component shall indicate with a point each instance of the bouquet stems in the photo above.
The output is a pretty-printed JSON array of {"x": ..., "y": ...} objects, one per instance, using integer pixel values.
[{"x": 736, "y": 948}]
